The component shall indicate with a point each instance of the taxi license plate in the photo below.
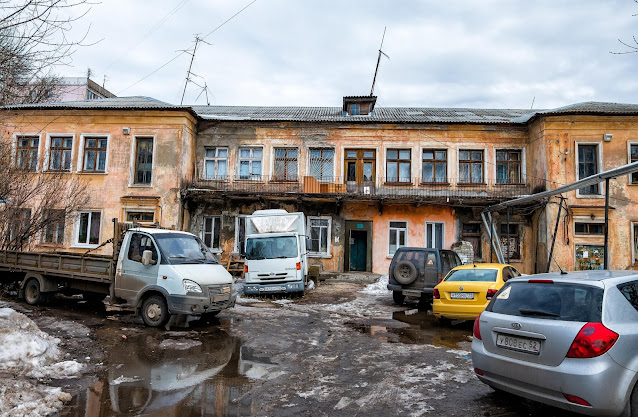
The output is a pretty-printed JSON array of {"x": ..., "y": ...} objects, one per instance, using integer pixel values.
[
  {"x": 462, "y": 295},
  {"x": 522, "y": 344}
]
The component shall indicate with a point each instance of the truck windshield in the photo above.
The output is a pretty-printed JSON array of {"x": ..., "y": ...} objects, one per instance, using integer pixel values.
[
  {"x": 184, "y": 249},
  {"x": 276, "y": 247}
]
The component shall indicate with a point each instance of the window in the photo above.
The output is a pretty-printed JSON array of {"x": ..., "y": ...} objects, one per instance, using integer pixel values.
[
  {"x": 589, "y": 228},
  {"x": 508, "y": 167},
  {"x": 250, "y": 163},
  {"x": 633, "y": 157},
  {"x": 398, "y": 233},
  {"x": 434, "y": 165},
  {"x": 139, "y": 244},
  {"x": 355, "y": 109},
  {"x": 27, "y": 152},
  {"x": 322, "y": 164},
  {"x": 216, "y": 163},
  {"x": 60, "y": 153},
  {"x": 630, "y": 291},
  {"x": 143, "y": 161},
  {"x": 319, "y": 235},
  {"x": 285, "y": 168},
  {"x": 89, "y": 228},
  {"x": 514, "y": 241},
  {"x": 53, "y": 227},
  {"x": 434, "y": 235},
  {"x": 398, "y": 165},
  {"x": 471, "y": 232},
  {"x": 359, "y": 165},
  {"x": 140, "y": 216},
  {"x": 587, "y": 166},
  {"x": 211, "y": 231},
  {"x": 94, "y": 154},
  {"x": 19, "y": 227},
  {"x": 240, "y": 233},
  {"x": 470, "y": 167},
  {"x": 635, "y": 241}
]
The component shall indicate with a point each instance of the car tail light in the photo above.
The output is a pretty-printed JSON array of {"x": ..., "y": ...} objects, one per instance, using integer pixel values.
[
  {"x": 541, "y": 281},
  {"x": 576, "y": 400},
  {"x": 390, "y": 276},
  {"x": 593, "y": 340},
  {"x": 491, "y": 293},
  {"x": 440, "y": 277},
  {"x": 476, "y": 331},
  {"x": 436, "y": 294},
  {"x": 298, "y": 266},
  {"x": 478, "y": 371},
  {"x": 245, "y": 268}
]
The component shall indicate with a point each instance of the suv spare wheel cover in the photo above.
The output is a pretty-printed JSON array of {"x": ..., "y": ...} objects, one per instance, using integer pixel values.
[{"x": 405, "y": 272}]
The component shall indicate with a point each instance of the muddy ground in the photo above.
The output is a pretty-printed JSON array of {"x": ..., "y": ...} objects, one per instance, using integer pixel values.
[{"x": 335, "y": 352}]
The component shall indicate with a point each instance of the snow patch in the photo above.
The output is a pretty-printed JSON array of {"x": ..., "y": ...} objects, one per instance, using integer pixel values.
[
  {"x": 379, "y": 288},
  {"x": 179, "y": 344},
  {"x": 124, "y": 380},
  {"x": 283, "y": 302}
]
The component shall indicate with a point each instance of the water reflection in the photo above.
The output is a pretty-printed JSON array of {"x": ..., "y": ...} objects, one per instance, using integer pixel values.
[{"x": 156, "y": 374}]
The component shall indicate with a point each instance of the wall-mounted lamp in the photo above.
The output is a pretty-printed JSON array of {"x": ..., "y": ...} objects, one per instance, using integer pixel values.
[
  {"x": 126, "y": 130},
  {"x": 607, "y": 137}
]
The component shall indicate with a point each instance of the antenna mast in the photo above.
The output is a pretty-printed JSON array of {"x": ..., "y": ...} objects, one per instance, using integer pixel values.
[
  {"x": 374, "y": 80},
  {"x": 189, "y": 73}
]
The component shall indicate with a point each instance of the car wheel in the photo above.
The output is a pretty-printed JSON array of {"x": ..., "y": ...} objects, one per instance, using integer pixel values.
[
  {"x": 32, "y": 293},
  {"x": 398, "y": 297},
  {"x": 631, "y": 409},
  {"x": 405, "y": 272},
  {"x": 155, "y": 311},
  {"x": 444, "y": 321}
]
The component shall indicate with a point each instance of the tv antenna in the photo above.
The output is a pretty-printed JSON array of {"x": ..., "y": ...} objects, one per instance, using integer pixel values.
[
  {"x": 374, "y": 80},
  {"x": 189, "y": 73}
]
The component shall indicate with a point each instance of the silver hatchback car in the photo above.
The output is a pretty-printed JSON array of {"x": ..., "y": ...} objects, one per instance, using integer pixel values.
[{"x": 570, "y": 341}]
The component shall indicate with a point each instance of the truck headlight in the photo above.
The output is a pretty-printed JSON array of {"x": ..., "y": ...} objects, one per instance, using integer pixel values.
[{"x": 191, "y": 286}]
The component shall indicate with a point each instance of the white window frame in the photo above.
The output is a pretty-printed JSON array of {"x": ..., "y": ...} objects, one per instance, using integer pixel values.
[
  {"x": 334, "y": 163},
  {"x": 47, "y": 150},
  {"x": 133, "y": 161},
  {"x": 250, "y": 160},
  {"x": 202, "y": 235},
  {"x": 599, "y": 149},
  {"x": 327, "y": 253},
  {"x": 237, "y": 220},
  {"x": 458, "y": 164},
  {"x": 76, "y": 229},
  {"x": 215, "y": 160},
  {"x": 629, "y": 144},
  {"x": 433, "y": 231},
  {"x": 80, "y": 164},
  {"x": 397, "y": 230},
  {"x": 14, "y": 148},
  {"x": 522, "y": 161}
]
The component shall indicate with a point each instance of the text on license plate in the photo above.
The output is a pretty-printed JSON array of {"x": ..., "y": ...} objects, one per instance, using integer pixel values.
[
  {"x": 271, "y": 289},
  {"x": 522, "y": 344},
  {"x": 462, "y": 295}
]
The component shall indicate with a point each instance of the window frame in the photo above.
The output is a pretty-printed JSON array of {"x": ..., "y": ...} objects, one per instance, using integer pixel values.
[
  {"x": 630, "y": 180},
  {"x": 634, "y": 246},
  {"x": 324, "y": 179},
  {"x": 76, "y": 233},
  {"x": 319, "y": 254},
  {"x": 434, "y": 163},
  {"x": 82, "y": 153},
  {"x": 16, "y": 148},
  {"x": 286, "y": 159},
  {"x": 128, "y": 212},
  {"x": 48, "y": 148},
  {"x": 56, "y": 230},
  {"x": 518, "y": 238},
  {"x": 470, "y": 162},
  {"x": 508, "y": 162},
  {"x": 250, "y": 160},
  {"x": 216, "y": 159},
  {"x": 599, "y": 167},
  {"x": 216, "y": 219},
  {"x": 475, "y": 235},
  {"x": 397, "y": 230},
  {"x": 17, "y": 225},
  {"x": 588, "y": 223},
  {"x": 238, "y": 220},
  {"x": 434, "y": 224},
  {"x": 134, "y": 148},
  {"x": 398, "y": 161}
]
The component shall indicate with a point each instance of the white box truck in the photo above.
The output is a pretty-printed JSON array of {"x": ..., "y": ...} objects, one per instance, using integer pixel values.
[{"x": 275, "y": 252}]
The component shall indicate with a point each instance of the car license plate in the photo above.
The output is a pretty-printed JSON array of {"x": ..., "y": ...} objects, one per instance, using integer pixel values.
[
  {"x": 462, "y": 295},
  {"x": 272, "y": 289},
  {"x": 221, "y": 297},
  {"x": 521, "y": 344},
  {"x": 412, "y": 293}
]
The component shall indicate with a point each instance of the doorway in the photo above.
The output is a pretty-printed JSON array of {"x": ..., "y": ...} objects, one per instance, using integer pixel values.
[{"x": 358, "y": 253}]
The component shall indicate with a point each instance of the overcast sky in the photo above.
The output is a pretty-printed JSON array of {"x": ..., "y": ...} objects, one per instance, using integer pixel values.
[{"x": 478, "y": 54}]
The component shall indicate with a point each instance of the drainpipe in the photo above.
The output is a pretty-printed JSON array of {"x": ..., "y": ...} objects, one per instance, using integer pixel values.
[{"x": 606, "y": 223}]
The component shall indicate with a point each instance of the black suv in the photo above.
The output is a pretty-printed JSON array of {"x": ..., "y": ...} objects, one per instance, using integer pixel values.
[{"x": 416, "y": 271}]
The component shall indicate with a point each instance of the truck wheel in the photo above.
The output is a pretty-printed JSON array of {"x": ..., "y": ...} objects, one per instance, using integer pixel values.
[
  {"x": 398, "y": 297},
  {"x": 32, "y": 294},
  {"x": 405, "y": 272},
  {"x": 155, "y": 311}
]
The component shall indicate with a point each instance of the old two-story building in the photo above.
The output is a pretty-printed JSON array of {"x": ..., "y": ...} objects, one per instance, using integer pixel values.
[{"x": 369, "y": 179}]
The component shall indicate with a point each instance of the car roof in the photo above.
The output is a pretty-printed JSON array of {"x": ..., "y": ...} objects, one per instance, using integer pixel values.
[
  {"x": 482, "y": 265},
  {"x": 415, "y": 248},
  {"x": 583, "y": 276}
]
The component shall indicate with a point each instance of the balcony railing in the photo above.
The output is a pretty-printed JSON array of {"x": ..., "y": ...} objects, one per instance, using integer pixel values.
[{"x": 412, "y": 189}]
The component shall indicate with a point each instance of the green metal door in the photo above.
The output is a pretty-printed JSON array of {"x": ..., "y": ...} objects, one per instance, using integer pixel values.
[{"x": 358, "y": 245}]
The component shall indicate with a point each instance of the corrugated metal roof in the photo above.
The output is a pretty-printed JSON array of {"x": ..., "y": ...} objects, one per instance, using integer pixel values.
[{"x": 336, "y": 114}]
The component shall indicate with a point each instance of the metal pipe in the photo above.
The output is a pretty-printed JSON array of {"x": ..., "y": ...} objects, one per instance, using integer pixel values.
[
  {"x": 551, "y": 251},
  {"x": 606, "y": 223},
  {"x": 497, "y": 243},
  {"x": 508, "y": 234}
]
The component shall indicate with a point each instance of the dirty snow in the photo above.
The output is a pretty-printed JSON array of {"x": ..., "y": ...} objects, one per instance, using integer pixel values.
[
  {"x": 28, "y": 355},
  {"x": 379, "y": 288},
  {"x": 180, "y": 344}
]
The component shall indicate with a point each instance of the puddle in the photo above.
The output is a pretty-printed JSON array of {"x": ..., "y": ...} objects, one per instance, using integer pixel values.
[
  {"x": 179, "y": 374},
  {"x": 415, "y": 327}
]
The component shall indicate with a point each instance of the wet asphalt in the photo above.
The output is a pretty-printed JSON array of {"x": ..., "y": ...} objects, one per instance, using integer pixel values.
[{"x": 335, "y": 352}]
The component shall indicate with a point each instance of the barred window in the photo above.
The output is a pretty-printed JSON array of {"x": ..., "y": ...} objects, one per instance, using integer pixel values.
[
  {"x": 285, "y": 168},
  {"x": 322, "y": 164}
]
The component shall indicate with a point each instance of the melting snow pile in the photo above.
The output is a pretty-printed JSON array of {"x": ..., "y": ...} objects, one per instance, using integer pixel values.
[
  {"x": 27, "y": 355},
  {"x": 378, "y": 288}
]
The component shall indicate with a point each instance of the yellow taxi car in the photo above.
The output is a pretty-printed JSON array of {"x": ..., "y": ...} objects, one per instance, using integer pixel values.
[{"x": 465, "y": 291}]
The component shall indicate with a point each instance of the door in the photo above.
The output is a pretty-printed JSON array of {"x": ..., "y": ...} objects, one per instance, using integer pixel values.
[
  {"x": 135, "y": 276},
  {"x": 358, "y": 246},
  {"x": 360, "y": 169}
]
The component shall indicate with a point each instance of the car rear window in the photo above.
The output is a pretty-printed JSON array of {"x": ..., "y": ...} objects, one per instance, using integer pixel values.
[
  {"x": 568, "y": 302},
  {"x": 419, "y": 258},
  {"x": 630, "y": 291},
  {"x": 475, "y": 274}
]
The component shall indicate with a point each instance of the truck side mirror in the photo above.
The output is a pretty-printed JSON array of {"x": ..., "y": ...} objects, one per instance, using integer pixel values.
[{"x": 147, "y": 258}]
